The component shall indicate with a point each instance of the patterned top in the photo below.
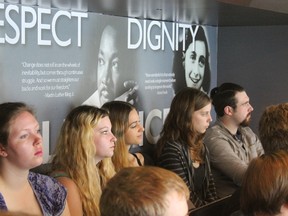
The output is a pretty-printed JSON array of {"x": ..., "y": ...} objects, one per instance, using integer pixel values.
[
  {"x": 51, "y": 195},
  {"x": 176, "y": 158}
]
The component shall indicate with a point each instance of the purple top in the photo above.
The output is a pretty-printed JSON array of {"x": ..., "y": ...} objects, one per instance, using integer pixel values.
[{"x": 51, "y": 195}]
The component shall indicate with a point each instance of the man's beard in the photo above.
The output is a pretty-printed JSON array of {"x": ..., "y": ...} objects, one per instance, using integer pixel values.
[{"x": 246, "y": 121}]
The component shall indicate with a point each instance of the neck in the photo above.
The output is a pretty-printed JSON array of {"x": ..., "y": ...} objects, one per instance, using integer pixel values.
[
  {"x": 13, "y": 177},
  {"x": 230, "y": 126}
]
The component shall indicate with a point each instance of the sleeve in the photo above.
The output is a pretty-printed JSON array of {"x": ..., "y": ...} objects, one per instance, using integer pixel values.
[
  {"x": 50, "y": 194},
  {"x": 173, "y": 159},
  {"x": 211, "y": 193},
  {"x": 224, "y": 156},
  {"x": 255, "y": 144}
]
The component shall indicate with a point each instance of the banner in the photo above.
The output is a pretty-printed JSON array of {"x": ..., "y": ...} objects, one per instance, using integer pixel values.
[{"x": 57, "y": 59}]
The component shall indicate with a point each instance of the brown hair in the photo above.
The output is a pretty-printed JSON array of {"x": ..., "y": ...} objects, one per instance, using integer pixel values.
[
  {"x": 8, "y": 112},
  {"x": 178, "y": 125},
  {"x": 119, "y": 116}
]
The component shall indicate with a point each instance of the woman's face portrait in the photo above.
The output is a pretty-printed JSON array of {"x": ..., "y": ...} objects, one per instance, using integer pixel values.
[{"x": 194, "y": 64}]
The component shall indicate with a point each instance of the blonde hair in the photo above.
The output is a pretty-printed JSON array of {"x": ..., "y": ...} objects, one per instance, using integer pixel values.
[
  {"x": 75, "y": 155},
  {"x": 119, "y": 115}
]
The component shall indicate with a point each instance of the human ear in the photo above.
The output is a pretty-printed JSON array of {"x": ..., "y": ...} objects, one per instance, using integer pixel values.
[
  {"x": 228, "y": 110},
  {"x": 3, "y": 152}
]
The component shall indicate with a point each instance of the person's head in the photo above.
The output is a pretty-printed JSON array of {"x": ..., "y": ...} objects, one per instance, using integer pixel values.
[
  {"x": 188, "y": 119},
  {"x": 273, "y": 128},
  {"x": 230, "y": 99},
  {"x": 20, "y": 137},
  {"x": 85, "y": 139},
  {"x": 194, "y": 60},
  {"x": 86, "y": 135},
  {"x": 145, "y": 191},
  {"x": 112, "y": 69},
  {"x": 125, "y": 122},
  {"x": 265, "y": 185},
  {"x": 126, "y": 127}
]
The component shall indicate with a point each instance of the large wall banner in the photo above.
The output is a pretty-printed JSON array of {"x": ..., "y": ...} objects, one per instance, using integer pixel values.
[{"x": 55, "y": 59}]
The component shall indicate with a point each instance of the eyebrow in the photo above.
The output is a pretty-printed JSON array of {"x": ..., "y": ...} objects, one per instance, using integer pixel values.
[
  {"x": 115, "y": 54},
  {"x": 134, "y": 122}
]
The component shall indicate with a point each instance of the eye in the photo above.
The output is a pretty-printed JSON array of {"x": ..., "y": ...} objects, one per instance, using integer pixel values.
[
  {"x": 202, "y": 61},
  {"x": 193, "y": 55},
  {"x": 100, "y": 61},
  {"x": 115, "y": 64},
  {"x": 104, "y": 132},
  {"x": 133, "y": 125},
  {"x": 24, "y": 136}
]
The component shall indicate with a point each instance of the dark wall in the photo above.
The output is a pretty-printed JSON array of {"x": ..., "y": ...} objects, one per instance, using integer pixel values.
[{"x": 257, "y": 59}]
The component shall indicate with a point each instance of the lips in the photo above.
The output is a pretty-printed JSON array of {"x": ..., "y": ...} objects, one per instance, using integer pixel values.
[
  {"x": 194, "y": 80},
  {"x": 39, "y": 153}
]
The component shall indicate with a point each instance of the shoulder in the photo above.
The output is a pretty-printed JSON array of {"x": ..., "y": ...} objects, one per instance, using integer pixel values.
[
  {"x": 2, "y": 203},
  {"x": 69, "y": 184},
  {"x": 172, "y": 147},
  {"x": 247, "y": 131},
  {"x": 50, "y": 193},
  {"x": 172, "y": 151},
  {"x": 139, "y": 157}
]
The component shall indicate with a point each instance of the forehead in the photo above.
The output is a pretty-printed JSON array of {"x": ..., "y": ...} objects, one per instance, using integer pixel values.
[
  {"x": 241, "y": 97},
  {"x": 133, "y": 115},
  {"x": 198, "y": 47},
  {"x": 103, "y": 122},
  {"x": 22, "y": 120},
  {"x": 108, "y": 39}
]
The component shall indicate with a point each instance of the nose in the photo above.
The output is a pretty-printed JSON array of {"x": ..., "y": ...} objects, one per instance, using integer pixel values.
[
  {"x": 195, "y": 70},
  {"x": 141, "y": 128},
  {"x": 37, "y": 139},
  {"x": 210, "y": 118},
  {"x": 251, "y": 108},
  {"x": 105, "y": 72},
  {"x": 113, "y": 138}
]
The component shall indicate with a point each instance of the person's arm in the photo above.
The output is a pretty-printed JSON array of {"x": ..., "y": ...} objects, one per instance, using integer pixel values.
[
  {"x": 224, "y": 156},
  {"x": 66, "y": 211},
  {"x": 172, "y": 158},
  {"x": 256, "y": 147},
  {"x": 73, "y": 197}
]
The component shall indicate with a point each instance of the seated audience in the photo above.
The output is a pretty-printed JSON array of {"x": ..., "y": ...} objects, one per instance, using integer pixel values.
[
  {"x": 20, "y": 150},
  {"x": 82, "y": 158},
  {"x": 145, "y": 191},
  {"x": 127, "y": 128},
  {"x": 264, "y": 189},
  {"x": 230, "y": 141},
  {"x": 180, "y": 147}
]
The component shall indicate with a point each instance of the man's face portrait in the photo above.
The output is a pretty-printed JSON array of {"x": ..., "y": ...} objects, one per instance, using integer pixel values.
[{"x": 109, "y": 66}]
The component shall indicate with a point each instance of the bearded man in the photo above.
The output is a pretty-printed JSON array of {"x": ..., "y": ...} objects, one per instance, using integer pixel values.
[{"x": 231, "y": 142}]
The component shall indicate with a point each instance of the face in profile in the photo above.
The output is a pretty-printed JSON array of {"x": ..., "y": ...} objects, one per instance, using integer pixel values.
[
  {"x": 195, "y": 58},
  {"x": 109, "y": 66},
  {"x": 104, "y": 139},
  {"x": 202, "y": 118},
  {"x": 134, "y": 133}
]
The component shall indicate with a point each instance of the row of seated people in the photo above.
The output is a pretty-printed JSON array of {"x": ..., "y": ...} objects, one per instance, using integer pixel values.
[{"x": 91, "y": 136}]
